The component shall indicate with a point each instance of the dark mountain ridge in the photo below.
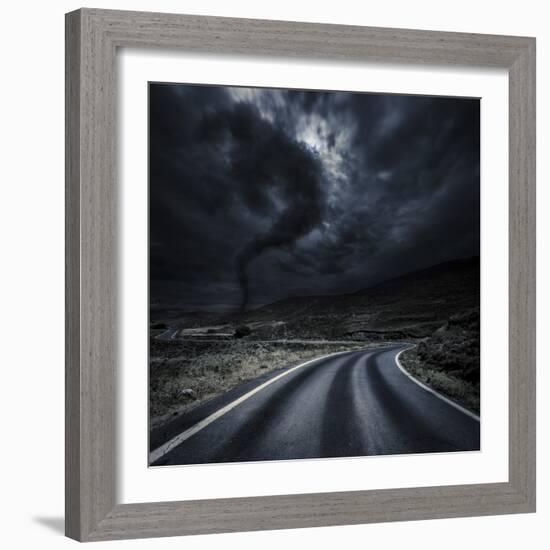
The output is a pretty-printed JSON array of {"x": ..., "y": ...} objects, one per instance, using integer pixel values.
[{"x": 411, "y": 305}]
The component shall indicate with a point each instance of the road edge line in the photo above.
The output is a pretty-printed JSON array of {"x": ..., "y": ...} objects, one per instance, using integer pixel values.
[
  {"x": 431, "y": 390},
  {"x": 165, "y": 448}
]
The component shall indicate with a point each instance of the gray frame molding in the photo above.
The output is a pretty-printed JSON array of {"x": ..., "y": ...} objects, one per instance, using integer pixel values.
[{"x": 92, "y": 38}]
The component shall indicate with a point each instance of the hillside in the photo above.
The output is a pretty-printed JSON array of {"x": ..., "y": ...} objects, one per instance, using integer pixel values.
[{"x": 413, "y": 305}]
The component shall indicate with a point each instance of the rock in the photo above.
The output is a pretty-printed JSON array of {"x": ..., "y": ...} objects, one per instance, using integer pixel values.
[{"x": 188, "y": 393}]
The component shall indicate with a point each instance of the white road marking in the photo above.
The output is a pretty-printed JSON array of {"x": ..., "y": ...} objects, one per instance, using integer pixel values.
[
  {"x": 159, "y": 452},
  {"x": 432, "y": 391}
]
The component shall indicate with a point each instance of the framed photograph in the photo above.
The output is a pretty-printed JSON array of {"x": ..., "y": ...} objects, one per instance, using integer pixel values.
[{"x": 300, "y": 283}]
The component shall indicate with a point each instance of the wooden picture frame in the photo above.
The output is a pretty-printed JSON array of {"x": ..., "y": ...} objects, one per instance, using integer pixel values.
[{"x": 92, "y": 39}]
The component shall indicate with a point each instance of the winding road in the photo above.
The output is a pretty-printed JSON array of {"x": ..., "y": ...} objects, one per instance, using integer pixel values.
[
  {"x": 168, "y": 334},
  {"x": 349, "y": 404}
]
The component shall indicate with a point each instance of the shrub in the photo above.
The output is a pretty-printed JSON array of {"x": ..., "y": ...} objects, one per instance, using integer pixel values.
[{"x": 242, "y": 331}]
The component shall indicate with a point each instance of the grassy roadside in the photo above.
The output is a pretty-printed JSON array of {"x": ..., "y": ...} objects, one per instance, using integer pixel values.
[
  {"x": 462, "y": 391},
  {"x": 186, "y": 373}
]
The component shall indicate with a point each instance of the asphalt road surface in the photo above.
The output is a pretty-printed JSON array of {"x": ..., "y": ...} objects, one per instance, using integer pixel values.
[{"x": 353, "y": 404}]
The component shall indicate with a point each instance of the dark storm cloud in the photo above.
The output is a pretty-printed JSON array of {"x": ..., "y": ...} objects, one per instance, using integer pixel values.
[
  {"x": 262, "y": 194},
  {"x": 277, "y": 177}
]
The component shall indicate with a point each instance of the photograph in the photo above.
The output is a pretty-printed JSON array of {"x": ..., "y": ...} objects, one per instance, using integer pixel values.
[{"x": 314, "y": 274}]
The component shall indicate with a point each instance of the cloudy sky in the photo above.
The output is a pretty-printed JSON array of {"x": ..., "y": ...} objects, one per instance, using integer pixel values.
[{"x": 259, "y": 194}]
